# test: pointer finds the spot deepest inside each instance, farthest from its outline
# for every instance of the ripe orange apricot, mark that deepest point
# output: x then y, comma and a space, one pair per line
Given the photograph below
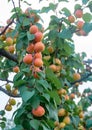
38, 36
33, 29
38, 55
38, 62
67, 120
56, 123
80, 24
61, 112
38, 112
9, 41
39, 47
62, 91
11, 48
53, 67
78, 13
72, 95
30, 48
81, 114
16, 69
76, 76
28, 59
71, 19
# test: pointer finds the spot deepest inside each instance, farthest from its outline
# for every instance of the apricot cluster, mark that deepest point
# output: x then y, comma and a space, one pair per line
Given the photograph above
34, 50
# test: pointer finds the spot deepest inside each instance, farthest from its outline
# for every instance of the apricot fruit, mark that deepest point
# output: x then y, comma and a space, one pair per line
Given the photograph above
78, 13
62, 125
67, 120
30, 48
80, 24
61, 112
28, 59
38, 55
76, 76
71, 19
33, 29
53, 67
12, 101
38, 36
9, 41
38, 112
8, 87
16, 69
39, 47
38, 62
11, 48
8, 107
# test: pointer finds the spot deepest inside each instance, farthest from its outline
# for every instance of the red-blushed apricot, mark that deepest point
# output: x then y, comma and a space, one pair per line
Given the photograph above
16, 69
11, 48
38, 62
38, 55
76, 76
71, 19
78, 13
9, 41
80, 24
39, 47
28, 59
72, 95
38, 112
30, 48
38, 36
33, 29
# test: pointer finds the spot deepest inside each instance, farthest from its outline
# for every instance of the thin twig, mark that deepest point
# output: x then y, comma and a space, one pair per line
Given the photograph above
4, 30
9, 93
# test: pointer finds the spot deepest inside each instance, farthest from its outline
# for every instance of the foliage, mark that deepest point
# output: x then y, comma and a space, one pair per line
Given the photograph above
47, 71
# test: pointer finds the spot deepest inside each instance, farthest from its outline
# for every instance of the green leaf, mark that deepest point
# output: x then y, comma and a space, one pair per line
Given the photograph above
68, 47
65, 34
66, 11
75, 120
30, 36
2, 112
89, 123
77, 6
90, 6
44, 83
87, 27
1, 44
87, 17
2, 125
27, 95
53, 94
52, 78
18, 76
35, 124
26, 22
84, 1
18, 127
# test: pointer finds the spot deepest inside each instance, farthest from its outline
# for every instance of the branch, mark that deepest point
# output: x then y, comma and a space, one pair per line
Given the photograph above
82, 79
8, 55
6, 27
6, 80
19, 4
8, 93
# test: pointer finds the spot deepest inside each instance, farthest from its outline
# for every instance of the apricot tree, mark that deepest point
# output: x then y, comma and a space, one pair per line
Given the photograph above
47, 71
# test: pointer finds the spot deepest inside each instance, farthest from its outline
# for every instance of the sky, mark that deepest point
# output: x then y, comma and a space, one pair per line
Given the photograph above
82, 44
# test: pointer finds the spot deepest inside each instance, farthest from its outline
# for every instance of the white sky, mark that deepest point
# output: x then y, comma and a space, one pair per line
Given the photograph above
82, 44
